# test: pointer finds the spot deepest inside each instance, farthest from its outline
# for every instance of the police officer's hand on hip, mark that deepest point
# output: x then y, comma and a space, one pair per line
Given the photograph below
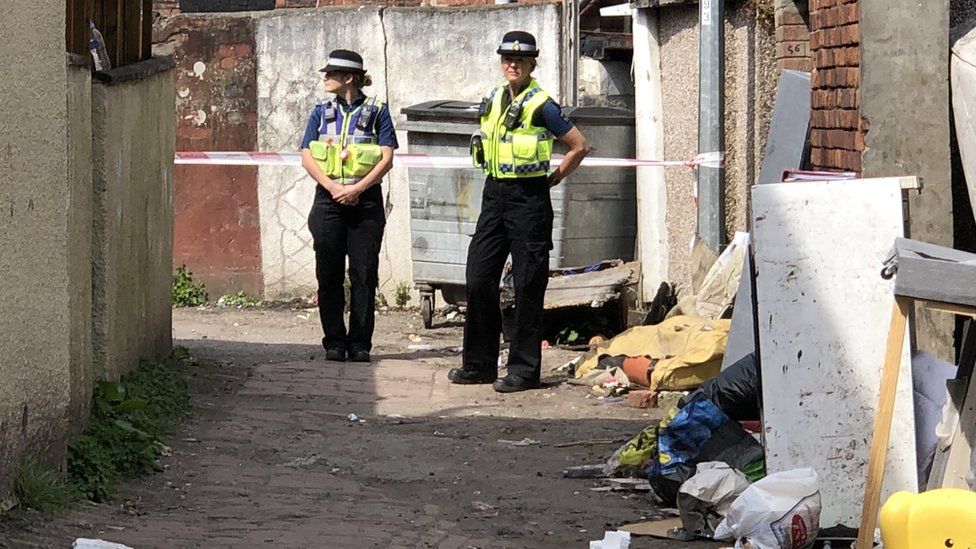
347, 149
519, 123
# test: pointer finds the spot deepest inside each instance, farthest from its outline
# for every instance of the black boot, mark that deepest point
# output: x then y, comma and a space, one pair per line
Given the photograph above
509, 384
461, 376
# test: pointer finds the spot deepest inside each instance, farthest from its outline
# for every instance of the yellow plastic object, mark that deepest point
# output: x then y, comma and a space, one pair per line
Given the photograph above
931, 520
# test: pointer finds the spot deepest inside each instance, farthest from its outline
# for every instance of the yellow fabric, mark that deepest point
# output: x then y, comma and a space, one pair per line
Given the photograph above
358, 161
522, 152
688, 350
929, 520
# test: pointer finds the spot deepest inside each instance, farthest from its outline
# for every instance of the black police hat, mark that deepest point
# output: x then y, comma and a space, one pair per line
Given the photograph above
344, 61
518, 44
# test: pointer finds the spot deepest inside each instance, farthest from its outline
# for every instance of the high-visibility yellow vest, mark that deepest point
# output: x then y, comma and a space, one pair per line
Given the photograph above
346, 151
516, 149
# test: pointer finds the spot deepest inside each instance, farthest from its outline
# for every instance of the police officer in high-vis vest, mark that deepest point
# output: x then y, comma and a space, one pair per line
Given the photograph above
347, 149
519, 122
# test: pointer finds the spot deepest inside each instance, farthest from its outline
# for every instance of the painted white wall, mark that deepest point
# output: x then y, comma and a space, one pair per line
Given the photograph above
414, 55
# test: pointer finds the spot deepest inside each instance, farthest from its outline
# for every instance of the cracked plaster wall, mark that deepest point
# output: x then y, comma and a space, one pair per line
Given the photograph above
394, 42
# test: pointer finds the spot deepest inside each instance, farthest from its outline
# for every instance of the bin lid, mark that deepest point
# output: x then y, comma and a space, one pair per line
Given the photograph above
466, 111
443, 111
599, 116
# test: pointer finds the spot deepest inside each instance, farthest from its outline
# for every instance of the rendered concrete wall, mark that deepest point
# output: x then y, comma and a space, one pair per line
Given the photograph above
905, 109
133, 136
79, 180
35, 348
394, 43
749, 89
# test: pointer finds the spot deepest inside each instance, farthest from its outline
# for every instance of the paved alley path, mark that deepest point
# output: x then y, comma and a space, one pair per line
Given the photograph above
269, 458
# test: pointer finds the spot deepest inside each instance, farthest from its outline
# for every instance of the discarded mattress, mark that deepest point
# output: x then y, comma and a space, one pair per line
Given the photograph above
684, 351
963, 81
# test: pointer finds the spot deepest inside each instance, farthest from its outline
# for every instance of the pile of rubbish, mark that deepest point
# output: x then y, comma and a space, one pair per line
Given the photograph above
704, 458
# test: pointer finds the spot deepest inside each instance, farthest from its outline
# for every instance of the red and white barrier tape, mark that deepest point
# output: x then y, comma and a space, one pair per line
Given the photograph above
407, 160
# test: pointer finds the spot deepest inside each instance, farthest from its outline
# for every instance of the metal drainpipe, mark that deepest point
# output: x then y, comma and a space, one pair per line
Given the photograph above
711, 122
571, 39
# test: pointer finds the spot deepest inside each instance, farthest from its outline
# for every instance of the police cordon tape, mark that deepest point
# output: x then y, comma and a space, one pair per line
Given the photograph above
413, 160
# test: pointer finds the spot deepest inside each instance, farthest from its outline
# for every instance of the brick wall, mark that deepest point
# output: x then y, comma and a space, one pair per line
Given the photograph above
167, 8
216, 219
837, 132
322, 3
792, 35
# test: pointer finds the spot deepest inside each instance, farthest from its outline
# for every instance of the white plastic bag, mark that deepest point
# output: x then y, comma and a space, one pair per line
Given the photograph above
704, 499
781, 511
612, 540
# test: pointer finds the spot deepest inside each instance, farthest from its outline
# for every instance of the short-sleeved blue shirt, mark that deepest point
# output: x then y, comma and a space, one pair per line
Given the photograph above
385, 133
552, 119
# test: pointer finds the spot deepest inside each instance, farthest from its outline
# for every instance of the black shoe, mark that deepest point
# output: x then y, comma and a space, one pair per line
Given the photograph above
509, 384
359, 356
461, 376
335, 355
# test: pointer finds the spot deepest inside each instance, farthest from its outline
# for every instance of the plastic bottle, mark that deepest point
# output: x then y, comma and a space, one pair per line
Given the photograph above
97, 47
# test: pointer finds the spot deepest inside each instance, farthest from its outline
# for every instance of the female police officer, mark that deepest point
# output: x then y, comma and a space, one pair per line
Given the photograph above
347, 149
518, 125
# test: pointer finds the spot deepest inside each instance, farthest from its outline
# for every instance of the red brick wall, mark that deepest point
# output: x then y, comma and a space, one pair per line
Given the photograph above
321, 3
167, 8
836, 135
792, 37
216, 222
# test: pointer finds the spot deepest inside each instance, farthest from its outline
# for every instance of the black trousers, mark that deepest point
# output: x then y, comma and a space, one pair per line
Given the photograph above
516, 217
337, 232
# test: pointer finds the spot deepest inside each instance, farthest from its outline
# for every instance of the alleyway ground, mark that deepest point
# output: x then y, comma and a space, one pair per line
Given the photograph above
268, 457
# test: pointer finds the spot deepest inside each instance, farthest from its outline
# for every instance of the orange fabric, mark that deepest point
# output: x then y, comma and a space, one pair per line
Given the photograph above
638, 369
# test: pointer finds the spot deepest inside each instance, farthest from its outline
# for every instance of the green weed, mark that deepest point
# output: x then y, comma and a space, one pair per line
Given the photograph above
401, 294
240, 300
186, 292
42, 489
124, 434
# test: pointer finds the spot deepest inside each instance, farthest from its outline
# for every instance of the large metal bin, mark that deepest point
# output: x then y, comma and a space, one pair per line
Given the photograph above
595, 209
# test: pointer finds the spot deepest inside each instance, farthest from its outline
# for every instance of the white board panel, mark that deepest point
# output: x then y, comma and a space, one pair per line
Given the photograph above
823, 312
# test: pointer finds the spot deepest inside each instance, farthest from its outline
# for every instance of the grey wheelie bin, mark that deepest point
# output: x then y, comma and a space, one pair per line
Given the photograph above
595, 209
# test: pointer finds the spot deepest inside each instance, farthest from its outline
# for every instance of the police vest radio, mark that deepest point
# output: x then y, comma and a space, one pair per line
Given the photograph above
484, 107
329, 112
478, 150
512, 116
366, 116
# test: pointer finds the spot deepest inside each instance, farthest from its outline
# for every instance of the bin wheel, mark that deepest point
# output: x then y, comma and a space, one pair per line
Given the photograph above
427, 310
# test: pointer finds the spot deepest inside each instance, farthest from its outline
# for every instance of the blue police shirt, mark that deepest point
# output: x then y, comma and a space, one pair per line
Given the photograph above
385, 133
552, 119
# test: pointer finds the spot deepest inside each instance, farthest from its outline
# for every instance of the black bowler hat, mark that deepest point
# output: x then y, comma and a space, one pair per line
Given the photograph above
518, 44
344, 61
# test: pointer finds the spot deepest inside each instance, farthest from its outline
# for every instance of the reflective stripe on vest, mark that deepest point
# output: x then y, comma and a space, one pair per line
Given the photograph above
524, 151
343, 151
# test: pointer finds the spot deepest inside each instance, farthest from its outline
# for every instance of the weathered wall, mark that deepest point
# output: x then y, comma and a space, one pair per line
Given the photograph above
79, 179
605, 83
132, 156
292, 44
35, 349
749, 87
216, 230
904, 46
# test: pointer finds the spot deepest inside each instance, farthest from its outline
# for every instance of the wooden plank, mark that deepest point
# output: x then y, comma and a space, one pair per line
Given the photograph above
145, 49
131, 31
965, 310
882, 422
